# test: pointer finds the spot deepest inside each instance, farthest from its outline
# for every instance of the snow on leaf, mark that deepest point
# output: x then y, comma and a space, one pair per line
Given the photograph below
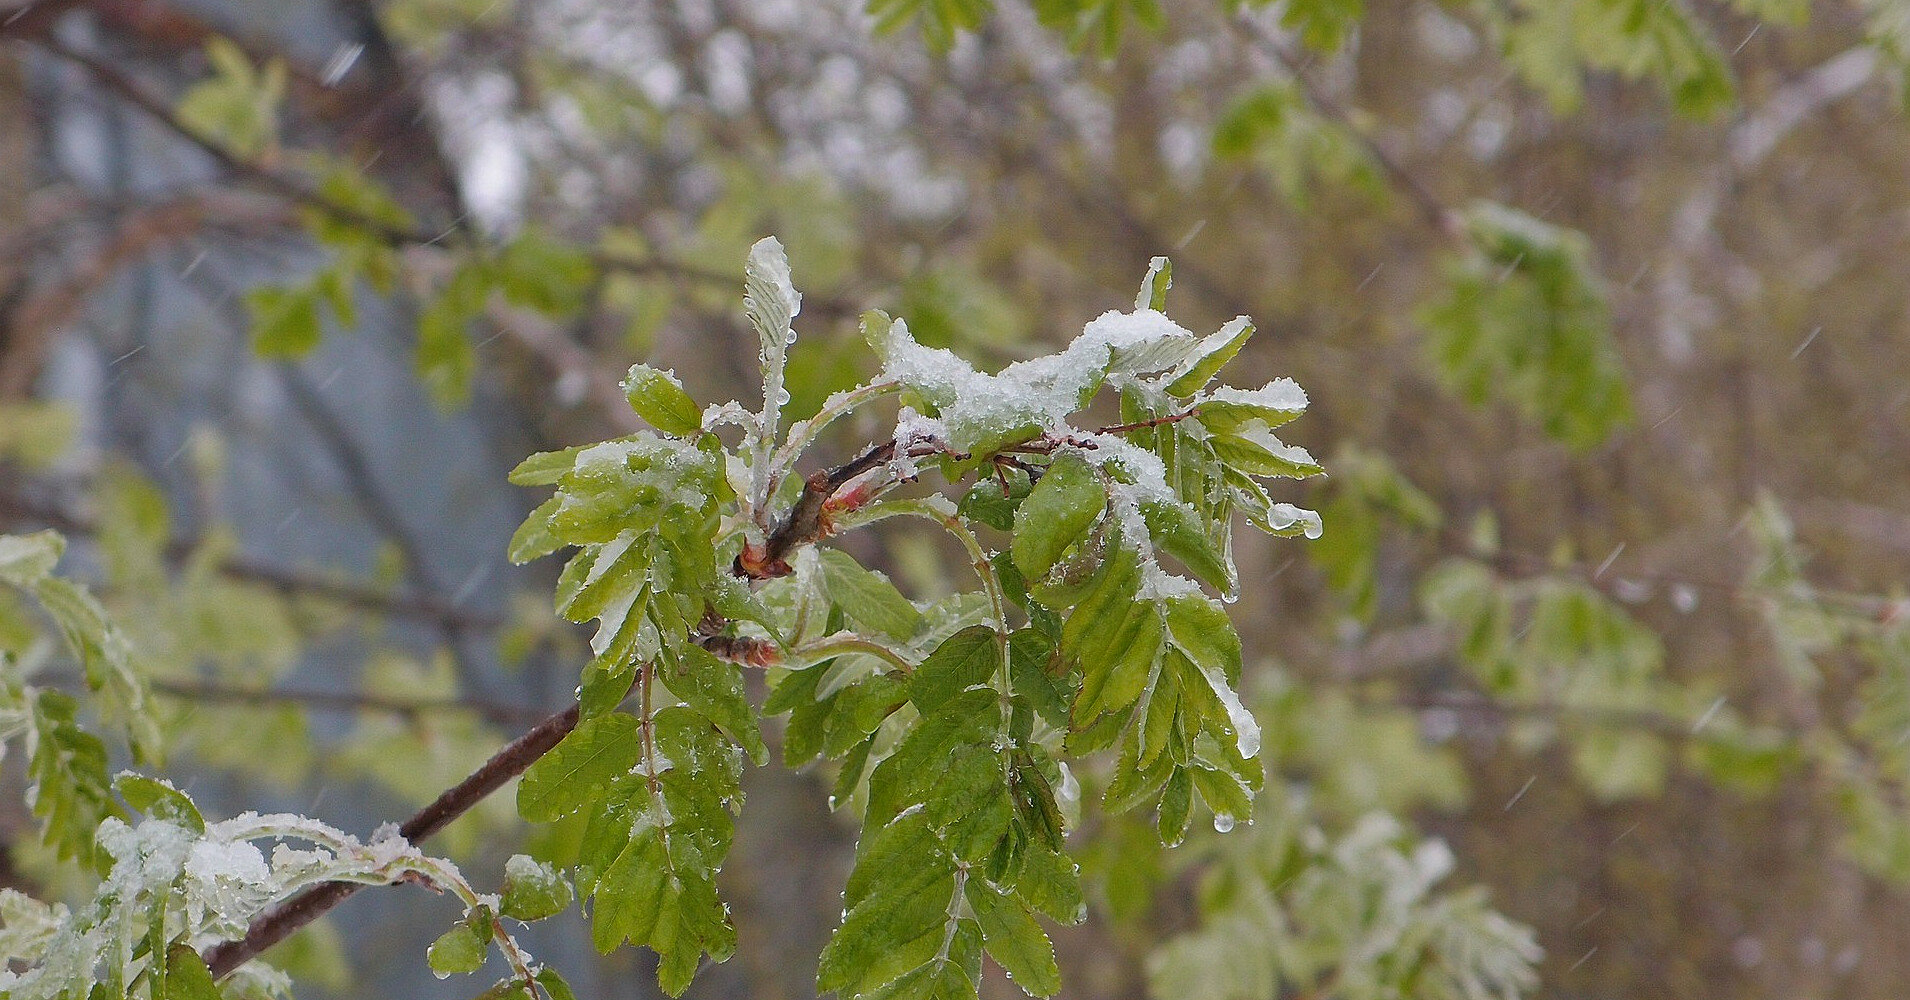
983, 411
771, 302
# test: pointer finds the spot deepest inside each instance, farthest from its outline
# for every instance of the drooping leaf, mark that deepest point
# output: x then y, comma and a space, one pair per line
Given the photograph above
463, 948
1014, 940
1059, 510
187, 977
898, 909
714, 688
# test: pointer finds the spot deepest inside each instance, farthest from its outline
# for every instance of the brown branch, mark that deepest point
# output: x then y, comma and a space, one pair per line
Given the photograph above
132, 92
1658, 723
1443, 219
138, 233
1142, 425
808, 520
343, 701
178, 551
274, 925
336, 701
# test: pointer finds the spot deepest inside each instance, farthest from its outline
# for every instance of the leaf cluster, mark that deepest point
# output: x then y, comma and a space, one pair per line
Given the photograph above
955, 721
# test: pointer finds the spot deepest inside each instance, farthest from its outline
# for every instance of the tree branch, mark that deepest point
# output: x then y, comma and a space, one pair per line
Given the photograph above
14, 508
343, 701
1443, 219
278, 923
132, 92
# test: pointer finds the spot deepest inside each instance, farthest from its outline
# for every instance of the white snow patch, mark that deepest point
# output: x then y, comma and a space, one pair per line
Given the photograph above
1039, 393
1283, 394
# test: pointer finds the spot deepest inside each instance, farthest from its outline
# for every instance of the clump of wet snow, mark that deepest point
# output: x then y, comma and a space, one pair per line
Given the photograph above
1038, 394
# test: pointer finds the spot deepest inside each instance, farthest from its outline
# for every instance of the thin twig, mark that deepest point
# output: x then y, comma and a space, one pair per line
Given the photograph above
274, 925
1664, 724
344, 701
807, 521
335, 701
381, 511
179, 551
132, 92
1443, 219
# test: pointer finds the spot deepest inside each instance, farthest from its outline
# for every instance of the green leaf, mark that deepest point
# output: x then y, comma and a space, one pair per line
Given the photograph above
606, 682
1117, 659
506, 989
1226, 410
1275, 127
963, 660
36, 433
1014, 940
867, 597
1182, 533
187, 977
27, 559
546, 468
463, 948
1159, 278
576, 771
1067, 500
940, 20
554, 984
446, 358
659, 399
971, 801
1201, 628
899, 900
1031, 661
537, 272
336, 286
534, 538
1051, 883
714, 688
659, 890
914, 772
940, 979
1323, 25
1212, 354
1752, 760
159, 800
237, 108
796, 694
1098, 24
987, 504
1230, 800
533, 890
1177, 807
284, 321
1253, 449
1034, 799
1524, 320
1619, 765
1135, 782
1550, 44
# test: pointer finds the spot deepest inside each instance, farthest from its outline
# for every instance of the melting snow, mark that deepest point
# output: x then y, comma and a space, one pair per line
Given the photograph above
1039, 393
